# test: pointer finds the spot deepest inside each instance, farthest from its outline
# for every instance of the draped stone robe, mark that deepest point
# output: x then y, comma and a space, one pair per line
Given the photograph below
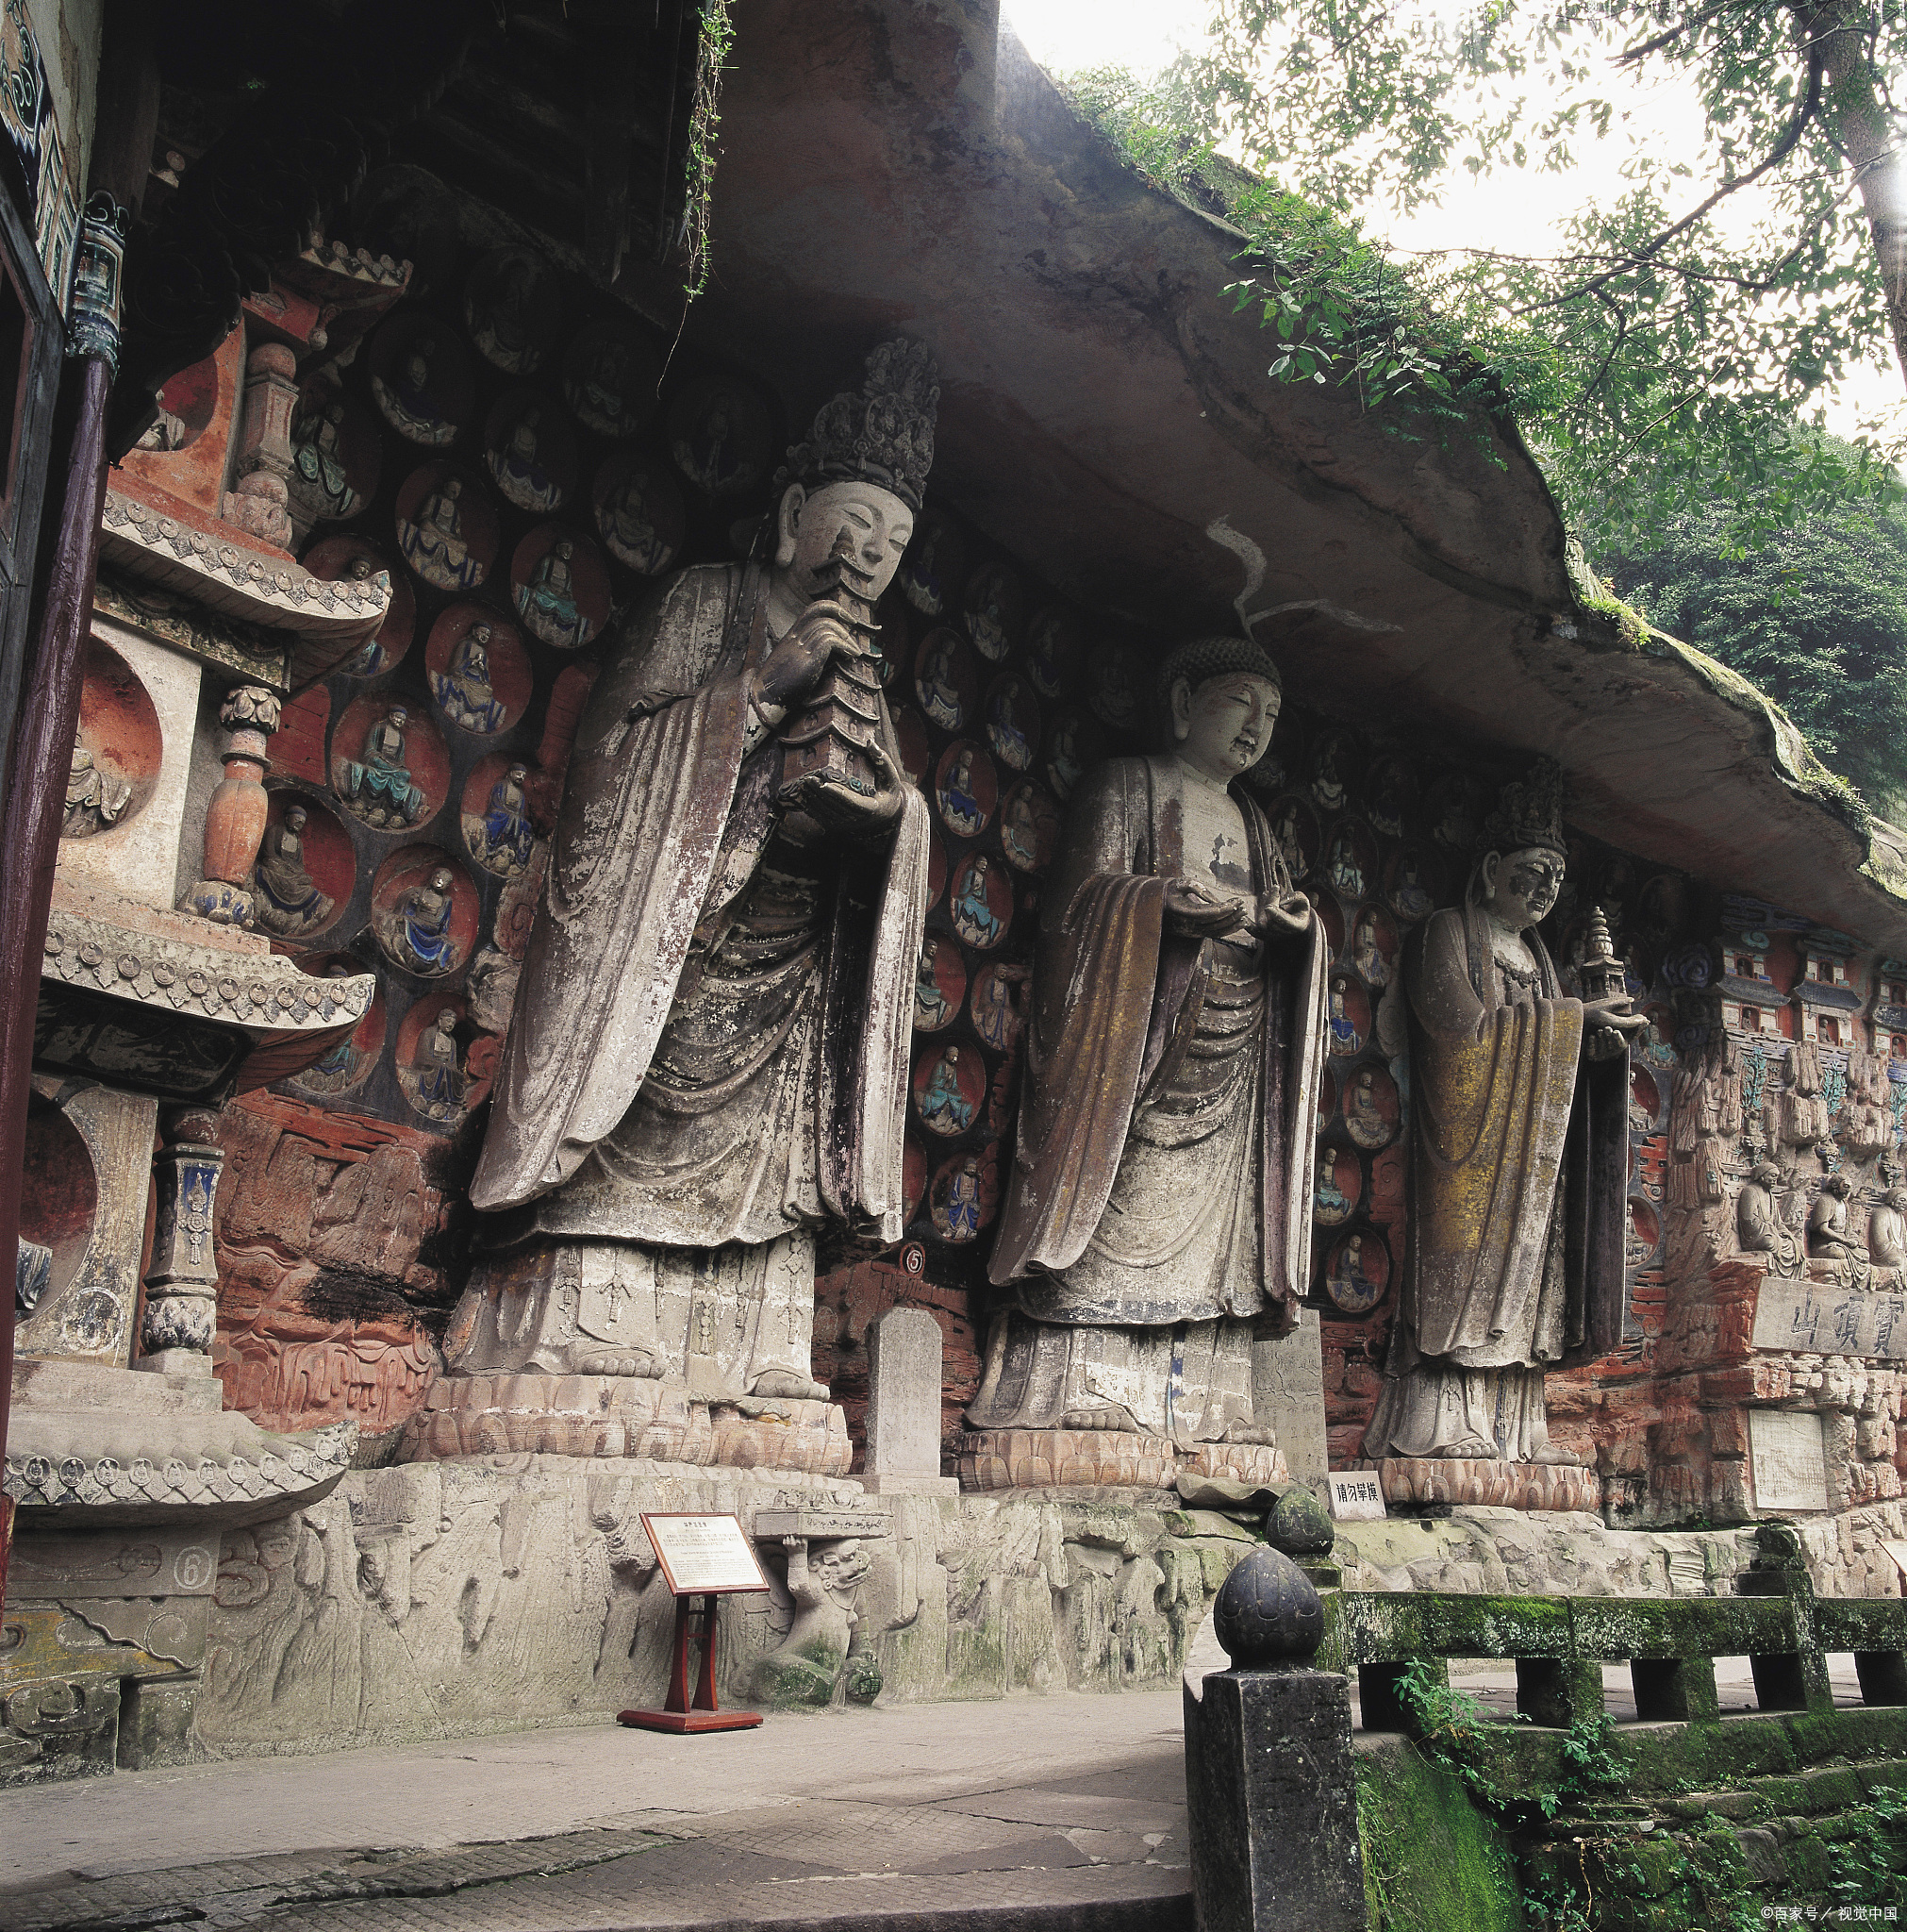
708, 1045
1518, 1187
1158, 1214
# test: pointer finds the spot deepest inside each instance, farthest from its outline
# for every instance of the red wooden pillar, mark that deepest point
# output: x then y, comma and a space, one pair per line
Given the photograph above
127, 113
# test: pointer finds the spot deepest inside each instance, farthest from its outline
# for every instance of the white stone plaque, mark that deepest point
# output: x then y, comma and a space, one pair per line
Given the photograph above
703, 1552
1817, 1318
1788, 1458
1357, 1496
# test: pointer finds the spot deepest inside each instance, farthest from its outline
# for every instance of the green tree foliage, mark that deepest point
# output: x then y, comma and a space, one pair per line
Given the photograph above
1664, 356
1815, 616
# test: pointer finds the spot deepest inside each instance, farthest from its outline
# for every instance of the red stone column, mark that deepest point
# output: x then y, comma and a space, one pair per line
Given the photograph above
234, 818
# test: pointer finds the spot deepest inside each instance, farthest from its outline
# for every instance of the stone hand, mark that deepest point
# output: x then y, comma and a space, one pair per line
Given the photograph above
796, 665
1614, 1011
833, 803
1282, 913
1196, 913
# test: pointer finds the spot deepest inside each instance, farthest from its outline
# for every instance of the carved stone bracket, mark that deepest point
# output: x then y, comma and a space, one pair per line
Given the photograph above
234, 818
182, 1283
258, 503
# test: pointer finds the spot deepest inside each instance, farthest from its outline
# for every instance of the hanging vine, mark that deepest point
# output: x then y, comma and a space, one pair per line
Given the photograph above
715, 42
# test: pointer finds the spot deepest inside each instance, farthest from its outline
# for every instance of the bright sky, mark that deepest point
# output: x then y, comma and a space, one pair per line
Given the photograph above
1512, 210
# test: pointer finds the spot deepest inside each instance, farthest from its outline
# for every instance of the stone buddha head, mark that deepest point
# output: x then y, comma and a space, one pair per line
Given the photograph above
855, 486
1522, 854
1221, 698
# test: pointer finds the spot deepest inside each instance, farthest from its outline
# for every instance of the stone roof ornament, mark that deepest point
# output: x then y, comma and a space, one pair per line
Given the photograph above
882, 435
1529, 814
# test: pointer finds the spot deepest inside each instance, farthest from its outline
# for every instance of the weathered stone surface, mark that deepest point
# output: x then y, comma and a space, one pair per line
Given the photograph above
621, 1416
1112, 1459
428, 1600
1271, 1800
903, 1401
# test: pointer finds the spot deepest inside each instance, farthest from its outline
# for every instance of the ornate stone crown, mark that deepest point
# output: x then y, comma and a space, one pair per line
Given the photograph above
882, 435
1203, 658
1529, 814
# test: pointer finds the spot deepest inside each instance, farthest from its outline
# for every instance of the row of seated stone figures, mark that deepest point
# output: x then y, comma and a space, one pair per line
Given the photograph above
707, 1057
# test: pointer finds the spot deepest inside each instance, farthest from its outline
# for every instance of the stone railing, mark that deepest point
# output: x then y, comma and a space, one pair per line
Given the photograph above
1560, 1643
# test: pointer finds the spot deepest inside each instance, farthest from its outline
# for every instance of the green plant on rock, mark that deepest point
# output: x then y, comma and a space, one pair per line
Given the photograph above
715, 41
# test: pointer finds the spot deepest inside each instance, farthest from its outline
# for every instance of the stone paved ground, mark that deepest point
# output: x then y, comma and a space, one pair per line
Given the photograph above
1066, 1813
1051, 1814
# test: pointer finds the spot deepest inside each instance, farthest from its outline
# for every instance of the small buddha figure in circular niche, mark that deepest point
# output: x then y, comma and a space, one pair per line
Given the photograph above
288, 903
416, 931
378, 785
95, 800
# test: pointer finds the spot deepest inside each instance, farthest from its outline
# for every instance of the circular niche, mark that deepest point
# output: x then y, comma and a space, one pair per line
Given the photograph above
945, 680
560, 585
980, 901
306, 873
1294, 825
965, 1194
58, 1192
506, 809
994, 1008
1373, 1109
345, 1067
966, 789
950, 1088
390, 766
424, 910
939, 983
719, 435
118, 751
1055, 642
513, 307
479, 673
1350, 861
995, 610
609, 379
1029, 827
1337, 1186
422, 379
1076, 746
1013, 723
934, 571
434, 1060
530, 450
1117, 687
335, 558
446, 526
1358, 1273
336, 455
638, 511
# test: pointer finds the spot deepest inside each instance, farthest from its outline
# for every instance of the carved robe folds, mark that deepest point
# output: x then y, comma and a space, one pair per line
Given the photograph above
1515, 1256
1158, 1217
708, 1053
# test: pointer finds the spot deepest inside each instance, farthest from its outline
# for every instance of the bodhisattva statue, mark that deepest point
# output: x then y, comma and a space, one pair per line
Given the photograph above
1158, 1216
1520, 1160
707, 1057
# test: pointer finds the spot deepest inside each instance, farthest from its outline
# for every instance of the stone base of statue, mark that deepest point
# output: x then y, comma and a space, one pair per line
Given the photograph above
624, 1416
1481, 1479
696, 1356
1105, 1459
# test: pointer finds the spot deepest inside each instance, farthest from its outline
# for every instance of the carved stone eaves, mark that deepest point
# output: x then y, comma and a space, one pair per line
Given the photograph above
188, 1023
266, 992
238, 582
137, 1463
